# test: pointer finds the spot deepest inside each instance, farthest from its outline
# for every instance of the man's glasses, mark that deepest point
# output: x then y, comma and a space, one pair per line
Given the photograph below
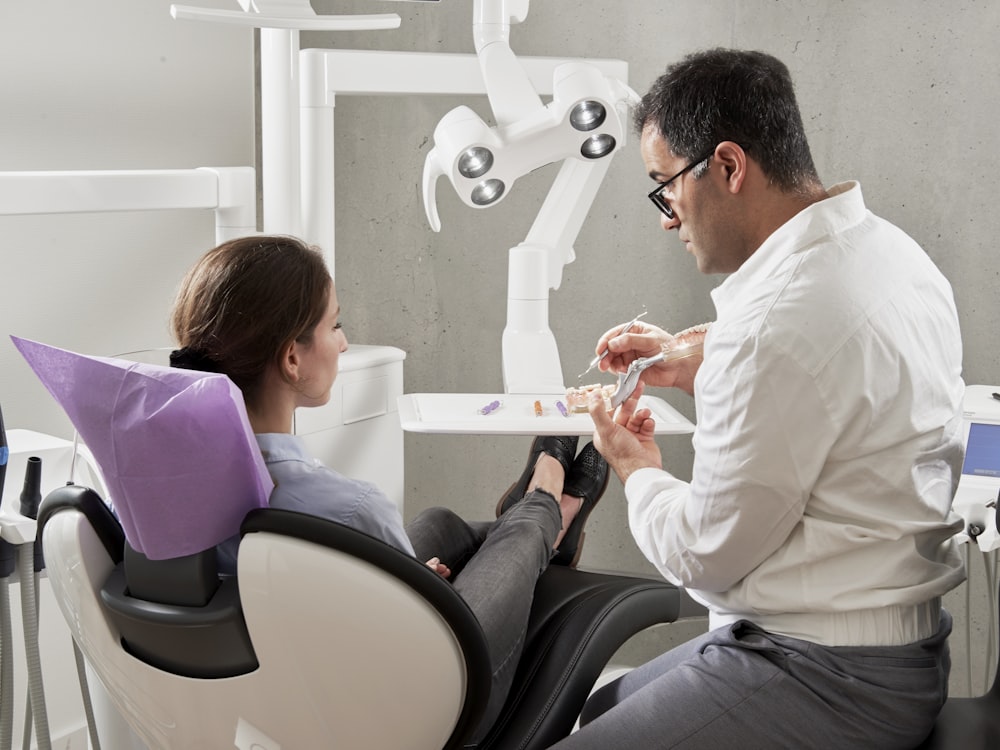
657, 194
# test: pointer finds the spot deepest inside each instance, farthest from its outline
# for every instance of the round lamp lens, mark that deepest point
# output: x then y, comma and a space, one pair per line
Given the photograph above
587, 115
597, 146
487, 192
475, 162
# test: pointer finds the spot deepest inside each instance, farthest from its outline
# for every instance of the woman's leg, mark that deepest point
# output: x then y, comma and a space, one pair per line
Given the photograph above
442, 533
498, 584
501, 569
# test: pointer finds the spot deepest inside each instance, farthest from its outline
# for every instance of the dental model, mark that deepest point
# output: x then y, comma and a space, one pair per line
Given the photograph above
578, 398
685, 343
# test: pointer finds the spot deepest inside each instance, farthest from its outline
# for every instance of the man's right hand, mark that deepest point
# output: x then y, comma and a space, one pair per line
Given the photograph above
647, 340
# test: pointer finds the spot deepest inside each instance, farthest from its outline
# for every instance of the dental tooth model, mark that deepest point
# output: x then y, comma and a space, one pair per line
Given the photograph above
578, 398
685, 343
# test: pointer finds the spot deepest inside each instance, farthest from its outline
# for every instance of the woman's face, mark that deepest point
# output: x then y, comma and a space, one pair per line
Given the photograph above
319, 358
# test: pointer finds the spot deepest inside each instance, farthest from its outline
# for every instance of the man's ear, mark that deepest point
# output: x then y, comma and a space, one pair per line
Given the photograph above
733, 159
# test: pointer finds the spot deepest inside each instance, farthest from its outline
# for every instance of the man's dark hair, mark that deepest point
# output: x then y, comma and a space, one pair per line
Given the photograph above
732, 95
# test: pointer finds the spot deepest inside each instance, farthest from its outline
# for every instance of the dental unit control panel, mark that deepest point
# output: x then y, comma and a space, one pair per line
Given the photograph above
979, 487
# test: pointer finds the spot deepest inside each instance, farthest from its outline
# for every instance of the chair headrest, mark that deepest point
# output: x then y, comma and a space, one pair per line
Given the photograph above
175, 447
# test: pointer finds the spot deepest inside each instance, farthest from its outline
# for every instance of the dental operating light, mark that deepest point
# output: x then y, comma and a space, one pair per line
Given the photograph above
582, 126
585, 120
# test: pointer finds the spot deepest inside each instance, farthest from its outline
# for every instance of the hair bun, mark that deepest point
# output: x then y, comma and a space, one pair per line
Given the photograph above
193, 359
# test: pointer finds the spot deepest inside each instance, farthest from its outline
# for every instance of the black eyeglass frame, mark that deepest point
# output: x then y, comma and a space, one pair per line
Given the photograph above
656, 194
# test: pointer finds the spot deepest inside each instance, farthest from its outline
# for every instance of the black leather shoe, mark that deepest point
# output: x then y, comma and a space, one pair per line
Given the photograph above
587, 479
560, 447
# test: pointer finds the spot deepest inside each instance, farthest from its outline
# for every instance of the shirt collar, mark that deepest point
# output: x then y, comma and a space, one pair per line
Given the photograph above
844, 208
281, 446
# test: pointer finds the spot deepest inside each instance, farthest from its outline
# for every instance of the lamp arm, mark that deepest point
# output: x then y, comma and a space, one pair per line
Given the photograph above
563, 212
530, 355
508, 87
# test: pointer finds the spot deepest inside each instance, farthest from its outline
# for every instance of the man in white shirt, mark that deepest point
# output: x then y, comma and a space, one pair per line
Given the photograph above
817, 525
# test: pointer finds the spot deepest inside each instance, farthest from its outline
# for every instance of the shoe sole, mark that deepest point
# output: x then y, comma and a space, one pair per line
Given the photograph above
522, 482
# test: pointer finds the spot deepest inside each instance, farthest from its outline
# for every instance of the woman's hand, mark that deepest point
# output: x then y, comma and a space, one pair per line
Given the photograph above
439, 567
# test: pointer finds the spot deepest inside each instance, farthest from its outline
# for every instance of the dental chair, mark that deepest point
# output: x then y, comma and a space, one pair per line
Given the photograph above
325, 638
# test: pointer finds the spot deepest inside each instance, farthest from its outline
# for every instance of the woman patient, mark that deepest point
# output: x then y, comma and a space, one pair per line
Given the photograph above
263, 310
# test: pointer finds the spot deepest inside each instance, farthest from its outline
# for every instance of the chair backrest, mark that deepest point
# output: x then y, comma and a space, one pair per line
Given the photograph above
354, 644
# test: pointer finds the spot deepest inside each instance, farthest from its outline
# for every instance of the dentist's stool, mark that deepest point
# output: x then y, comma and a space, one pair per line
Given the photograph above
968, 723
328, 638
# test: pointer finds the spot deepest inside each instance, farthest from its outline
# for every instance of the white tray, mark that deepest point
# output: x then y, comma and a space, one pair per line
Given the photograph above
458, 413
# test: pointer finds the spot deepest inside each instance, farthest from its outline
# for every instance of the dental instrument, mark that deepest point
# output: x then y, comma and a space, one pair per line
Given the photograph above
627, 327
687, 343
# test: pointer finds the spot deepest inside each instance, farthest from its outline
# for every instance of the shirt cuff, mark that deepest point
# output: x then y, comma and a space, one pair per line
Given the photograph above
641, 481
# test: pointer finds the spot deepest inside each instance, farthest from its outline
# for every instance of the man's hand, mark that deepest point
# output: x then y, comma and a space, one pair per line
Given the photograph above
646, 340
641, 340
626, 439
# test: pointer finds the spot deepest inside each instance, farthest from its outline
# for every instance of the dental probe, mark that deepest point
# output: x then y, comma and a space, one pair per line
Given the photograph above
602, 355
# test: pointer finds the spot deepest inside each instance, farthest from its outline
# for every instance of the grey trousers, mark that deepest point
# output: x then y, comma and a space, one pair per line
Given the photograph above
495, 566
741, 687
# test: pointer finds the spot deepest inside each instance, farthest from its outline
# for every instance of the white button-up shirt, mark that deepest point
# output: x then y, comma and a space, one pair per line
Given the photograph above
828, 442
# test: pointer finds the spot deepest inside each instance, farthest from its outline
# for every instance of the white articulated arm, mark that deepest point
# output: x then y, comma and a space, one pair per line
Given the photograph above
583, 125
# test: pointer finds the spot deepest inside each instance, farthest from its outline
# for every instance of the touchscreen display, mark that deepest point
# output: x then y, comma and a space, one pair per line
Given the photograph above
982, 451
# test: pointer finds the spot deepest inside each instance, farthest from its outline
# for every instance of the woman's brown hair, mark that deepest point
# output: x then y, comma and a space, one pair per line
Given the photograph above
244, 302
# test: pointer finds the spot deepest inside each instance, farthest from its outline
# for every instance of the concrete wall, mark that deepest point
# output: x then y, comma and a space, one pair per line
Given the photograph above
900, 95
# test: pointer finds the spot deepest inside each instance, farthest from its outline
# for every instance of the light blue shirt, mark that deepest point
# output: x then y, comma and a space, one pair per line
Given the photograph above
303, 484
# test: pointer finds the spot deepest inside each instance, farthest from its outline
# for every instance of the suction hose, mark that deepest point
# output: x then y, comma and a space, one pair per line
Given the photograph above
6, 647
28, 565
6, 634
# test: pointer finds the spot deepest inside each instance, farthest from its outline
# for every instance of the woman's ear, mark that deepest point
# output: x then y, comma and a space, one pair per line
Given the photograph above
290, 363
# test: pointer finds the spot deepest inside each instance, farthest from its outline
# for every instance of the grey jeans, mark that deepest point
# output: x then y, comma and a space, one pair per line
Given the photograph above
495, 566
741, 687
